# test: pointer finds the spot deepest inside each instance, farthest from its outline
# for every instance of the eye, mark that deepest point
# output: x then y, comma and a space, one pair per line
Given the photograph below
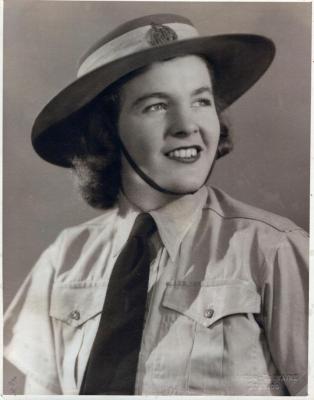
155, 107
203, 102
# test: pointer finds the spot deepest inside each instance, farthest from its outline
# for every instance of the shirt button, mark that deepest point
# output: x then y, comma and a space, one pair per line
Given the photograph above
209, 313
75, 315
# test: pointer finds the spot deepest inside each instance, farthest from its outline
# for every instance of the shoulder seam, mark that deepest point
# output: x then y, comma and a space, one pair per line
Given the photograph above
253, 219
94, 222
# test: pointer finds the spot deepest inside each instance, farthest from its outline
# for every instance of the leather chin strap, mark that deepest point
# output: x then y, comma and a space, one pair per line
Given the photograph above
152, 183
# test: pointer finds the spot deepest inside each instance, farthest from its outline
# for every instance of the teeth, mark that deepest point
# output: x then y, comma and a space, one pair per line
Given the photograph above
183, 153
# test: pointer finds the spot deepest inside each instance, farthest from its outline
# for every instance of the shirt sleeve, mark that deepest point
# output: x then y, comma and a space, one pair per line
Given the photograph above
285, 301
28, 336
34, 388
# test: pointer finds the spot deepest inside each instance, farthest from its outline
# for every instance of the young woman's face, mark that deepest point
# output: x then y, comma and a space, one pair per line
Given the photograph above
169, 124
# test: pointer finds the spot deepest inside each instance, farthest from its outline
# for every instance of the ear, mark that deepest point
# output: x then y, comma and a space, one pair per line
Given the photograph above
225, 144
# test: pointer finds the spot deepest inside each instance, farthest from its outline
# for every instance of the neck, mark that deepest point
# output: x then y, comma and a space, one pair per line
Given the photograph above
139, 193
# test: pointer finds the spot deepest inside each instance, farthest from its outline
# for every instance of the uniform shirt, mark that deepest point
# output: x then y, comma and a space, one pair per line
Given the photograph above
227, 304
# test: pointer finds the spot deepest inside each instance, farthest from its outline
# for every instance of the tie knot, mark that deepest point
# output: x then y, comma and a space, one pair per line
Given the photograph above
144, 225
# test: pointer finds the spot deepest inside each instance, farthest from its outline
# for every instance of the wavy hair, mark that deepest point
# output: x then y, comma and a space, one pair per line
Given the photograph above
96, 160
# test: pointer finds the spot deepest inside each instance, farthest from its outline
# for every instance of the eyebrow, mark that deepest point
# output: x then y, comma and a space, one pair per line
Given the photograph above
202, 89
162, 95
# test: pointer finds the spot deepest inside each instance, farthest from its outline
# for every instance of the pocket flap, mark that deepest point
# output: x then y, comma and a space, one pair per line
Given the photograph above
207, 302
74, 304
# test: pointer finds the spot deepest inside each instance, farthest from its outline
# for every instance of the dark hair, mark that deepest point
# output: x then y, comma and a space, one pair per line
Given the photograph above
97, 158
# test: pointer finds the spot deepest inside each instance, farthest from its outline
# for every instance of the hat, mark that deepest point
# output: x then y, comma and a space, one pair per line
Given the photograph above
238, 61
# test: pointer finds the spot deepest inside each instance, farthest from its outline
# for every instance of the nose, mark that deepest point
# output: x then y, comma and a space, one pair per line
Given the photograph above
182, 123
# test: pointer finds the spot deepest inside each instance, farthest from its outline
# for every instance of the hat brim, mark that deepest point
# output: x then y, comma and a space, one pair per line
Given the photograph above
238, 61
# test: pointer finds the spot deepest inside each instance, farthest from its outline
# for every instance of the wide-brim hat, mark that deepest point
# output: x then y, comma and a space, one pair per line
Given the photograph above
238, 61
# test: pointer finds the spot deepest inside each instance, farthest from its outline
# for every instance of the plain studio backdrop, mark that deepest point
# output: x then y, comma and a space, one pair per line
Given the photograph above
43, 41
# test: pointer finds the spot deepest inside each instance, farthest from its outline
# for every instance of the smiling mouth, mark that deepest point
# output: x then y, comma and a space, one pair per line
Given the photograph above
185, 154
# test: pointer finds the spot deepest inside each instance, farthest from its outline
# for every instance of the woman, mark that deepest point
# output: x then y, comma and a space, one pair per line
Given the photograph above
141, 128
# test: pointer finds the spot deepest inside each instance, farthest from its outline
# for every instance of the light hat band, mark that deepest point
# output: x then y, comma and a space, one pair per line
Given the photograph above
134, 41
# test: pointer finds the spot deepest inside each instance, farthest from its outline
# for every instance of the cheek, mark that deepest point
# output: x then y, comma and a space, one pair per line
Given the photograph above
211, 131
138, 139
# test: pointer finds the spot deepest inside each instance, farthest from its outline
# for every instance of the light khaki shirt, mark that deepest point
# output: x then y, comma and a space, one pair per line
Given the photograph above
227, 310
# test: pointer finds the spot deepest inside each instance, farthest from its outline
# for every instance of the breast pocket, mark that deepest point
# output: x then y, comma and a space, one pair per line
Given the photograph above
216, 307
75, 312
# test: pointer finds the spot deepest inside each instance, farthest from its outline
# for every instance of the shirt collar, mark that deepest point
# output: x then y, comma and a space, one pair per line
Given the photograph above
173, 220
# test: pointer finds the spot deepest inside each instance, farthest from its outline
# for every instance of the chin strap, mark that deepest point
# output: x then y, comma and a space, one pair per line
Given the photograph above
149, 181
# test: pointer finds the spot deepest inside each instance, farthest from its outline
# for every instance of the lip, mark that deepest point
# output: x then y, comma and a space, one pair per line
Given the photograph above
185, 160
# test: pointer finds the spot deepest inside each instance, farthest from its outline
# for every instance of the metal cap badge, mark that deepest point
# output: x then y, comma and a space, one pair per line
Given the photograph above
159, 35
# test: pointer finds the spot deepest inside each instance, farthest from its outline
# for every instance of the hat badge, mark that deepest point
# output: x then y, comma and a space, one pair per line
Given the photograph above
159, 35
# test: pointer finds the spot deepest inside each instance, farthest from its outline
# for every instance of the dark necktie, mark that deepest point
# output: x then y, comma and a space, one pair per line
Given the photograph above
112, 364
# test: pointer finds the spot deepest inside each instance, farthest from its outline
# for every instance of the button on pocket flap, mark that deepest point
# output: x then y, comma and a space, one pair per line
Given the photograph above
74, 305
207, 302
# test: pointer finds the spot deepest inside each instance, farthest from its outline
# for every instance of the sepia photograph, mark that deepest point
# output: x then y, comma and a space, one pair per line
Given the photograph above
156, 186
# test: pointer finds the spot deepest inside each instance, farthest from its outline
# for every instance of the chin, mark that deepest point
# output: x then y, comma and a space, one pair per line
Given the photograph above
184, 187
